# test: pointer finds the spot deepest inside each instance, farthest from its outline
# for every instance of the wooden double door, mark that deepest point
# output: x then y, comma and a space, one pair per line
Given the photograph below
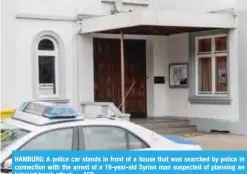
107, 74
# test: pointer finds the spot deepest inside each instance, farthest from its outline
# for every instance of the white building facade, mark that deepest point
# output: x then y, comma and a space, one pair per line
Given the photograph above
52, 50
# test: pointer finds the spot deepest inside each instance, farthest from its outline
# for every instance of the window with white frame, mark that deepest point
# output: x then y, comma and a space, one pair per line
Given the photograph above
47, 55
211, 65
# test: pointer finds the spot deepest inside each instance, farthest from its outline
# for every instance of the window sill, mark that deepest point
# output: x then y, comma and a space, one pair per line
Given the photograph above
55, 100
130, 2
218, 100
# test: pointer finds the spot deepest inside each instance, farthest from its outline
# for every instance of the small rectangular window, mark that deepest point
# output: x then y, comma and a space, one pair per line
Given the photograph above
204, 45
220, 43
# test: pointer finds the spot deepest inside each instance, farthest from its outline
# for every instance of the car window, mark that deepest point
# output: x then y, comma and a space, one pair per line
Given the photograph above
61, 139
104, 138
135, 143
10, 134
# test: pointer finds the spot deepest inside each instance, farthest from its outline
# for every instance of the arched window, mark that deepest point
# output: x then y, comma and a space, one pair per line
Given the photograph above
47, 55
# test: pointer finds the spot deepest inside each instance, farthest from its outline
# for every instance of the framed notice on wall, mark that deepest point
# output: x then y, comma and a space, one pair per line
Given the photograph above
178, 75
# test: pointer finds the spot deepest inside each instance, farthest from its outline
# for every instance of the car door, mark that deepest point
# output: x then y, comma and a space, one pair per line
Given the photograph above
56, 139
108, 138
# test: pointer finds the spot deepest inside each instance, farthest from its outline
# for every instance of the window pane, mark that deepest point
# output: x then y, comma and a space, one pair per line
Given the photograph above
204, 45
135, 143
104, 138
55, 140
221, 76
204, 74
47, 75
46, 44
220, 44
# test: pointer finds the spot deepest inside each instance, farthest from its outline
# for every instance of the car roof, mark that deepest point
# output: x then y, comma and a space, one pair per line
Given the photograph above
37, 114
65, 122
39, 122
44, 113
88, 121
32, 121
38, 119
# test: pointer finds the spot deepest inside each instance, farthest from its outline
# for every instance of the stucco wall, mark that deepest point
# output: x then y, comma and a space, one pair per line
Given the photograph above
241, 5
242, 57
65, 7
174, 102
178, 52
163, 101
72, 7
19, 33
194, 5
160, 62
8, 74
238, 127
85, 68
21, 57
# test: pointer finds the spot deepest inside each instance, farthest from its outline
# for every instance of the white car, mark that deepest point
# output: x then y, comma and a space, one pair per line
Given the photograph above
47, 126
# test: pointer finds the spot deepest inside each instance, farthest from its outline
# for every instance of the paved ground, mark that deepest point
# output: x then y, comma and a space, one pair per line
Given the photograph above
215, 141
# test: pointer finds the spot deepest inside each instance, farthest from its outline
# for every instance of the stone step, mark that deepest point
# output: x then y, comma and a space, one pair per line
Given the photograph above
157, 120
177, 123
176, 130
166, 125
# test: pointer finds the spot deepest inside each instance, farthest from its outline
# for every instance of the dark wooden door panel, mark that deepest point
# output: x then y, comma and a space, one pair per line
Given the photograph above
107, 73
135, 64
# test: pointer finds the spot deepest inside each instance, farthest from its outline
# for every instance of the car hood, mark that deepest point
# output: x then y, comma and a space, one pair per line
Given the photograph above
173, 143
182, 143
180, 140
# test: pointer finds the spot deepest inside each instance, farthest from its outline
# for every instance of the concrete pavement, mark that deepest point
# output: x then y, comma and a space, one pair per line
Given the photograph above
215, 141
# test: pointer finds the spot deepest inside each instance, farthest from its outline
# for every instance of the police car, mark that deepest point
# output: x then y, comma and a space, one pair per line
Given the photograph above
47, 126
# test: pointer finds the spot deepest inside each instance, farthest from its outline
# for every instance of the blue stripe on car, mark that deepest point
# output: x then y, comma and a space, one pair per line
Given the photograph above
180, 140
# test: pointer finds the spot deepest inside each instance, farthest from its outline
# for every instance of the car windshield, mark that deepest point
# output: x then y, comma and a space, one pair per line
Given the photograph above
10, 134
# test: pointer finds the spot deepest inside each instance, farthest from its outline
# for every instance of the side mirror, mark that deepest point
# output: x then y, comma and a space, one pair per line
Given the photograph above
7, 166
